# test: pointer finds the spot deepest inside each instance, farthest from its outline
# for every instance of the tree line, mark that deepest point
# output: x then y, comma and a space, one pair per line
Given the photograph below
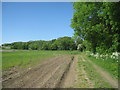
97, 24
62, 43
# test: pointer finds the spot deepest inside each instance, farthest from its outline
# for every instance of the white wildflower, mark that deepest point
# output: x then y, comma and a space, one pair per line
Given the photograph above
96, 55
115, 54
101, 56
92, 54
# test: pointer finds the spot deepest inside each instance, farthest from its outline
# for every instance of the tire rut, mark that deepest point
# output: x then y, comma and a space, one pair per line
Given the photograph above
70, 75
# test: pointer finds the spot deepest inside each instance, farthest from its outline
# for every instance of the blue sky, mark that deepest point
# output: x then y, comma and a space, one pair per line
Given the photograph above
36, 21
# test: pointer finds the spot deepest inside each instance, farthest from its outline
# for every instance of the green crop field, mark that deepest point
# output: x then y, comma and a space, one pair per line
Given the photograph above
24, 58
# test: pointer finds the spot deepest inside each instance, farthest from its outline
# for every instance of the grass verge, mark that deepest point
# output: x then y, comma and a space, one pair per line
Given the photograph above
95, 79
109, 65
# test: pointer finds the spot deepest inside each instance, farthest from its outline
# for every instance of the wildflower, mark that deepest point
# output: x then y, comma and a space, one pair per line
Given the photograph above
96, 55
101, 56
115, 54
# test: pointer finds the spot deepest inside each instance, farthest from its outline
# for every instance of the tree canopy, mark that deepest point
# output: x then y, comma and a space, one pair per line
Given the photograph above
98, 23
62, 43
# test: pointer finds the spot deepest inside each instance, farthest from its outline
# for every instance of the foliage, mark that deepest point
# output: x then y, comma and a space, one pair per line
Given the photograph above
98, 24
65, 43
62, 43
80, 47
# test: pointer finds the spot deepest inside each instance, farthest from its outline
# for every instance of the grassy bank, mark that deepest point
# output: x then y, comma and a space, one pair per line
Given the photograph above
108, 64
24, 58
95, 79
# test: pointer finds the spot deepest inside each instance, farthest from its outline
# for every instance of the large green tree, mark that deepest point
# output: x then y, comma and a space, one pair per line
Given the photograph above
98, 23
65, 43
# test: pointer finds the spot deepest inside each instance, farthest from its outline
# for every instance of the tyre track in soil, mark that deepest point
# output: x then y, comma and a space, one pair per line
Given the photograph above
45, 75
69, 78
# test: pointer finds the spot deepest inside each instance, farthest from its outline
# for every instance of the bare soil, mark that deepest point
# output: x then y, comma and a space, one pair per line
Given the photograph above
45, 75
70, 79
